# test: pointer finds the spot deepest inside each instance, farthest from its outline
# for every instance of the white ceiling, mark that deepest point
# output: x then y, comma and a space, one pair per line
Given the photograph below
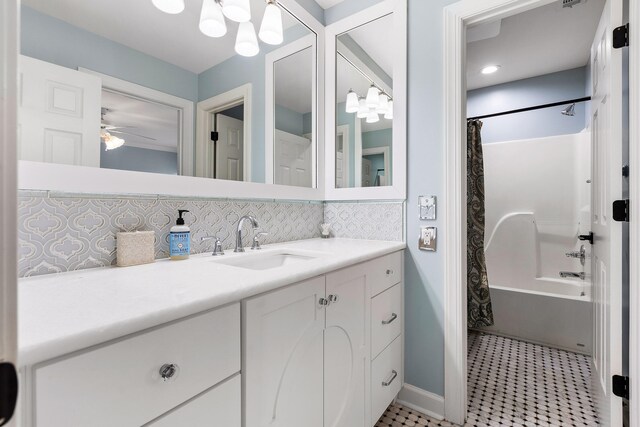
141, 26
538, 42
147, 124
374, 38
326, 4
294, 80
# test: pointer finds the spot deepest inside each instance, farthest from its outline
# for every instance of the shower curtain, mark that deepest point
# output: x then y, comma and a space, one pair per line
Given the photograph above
479, 312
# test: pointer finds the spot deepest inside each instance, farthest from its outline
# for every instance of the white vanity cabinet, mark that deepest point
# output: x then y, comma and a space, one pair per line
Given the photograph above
308, 357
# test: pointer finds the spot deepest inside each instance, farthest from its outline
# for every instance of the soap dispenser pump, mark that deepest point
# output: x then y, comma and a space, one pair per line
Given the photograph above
180, 239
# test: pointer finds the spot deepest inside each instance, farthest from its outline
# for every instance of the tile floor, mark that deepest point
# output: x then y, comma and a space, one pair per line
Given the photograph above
515, 383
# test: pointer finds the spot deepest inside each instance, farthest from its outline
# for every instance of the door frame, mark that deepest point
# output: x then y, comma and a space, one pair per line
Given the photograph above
9, 50
386, 154
456, 18
346, 151
204, 122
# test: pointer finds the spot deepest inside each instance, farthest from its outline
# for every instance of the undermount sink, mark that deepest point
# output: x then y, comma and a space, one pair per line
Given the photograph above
267, 260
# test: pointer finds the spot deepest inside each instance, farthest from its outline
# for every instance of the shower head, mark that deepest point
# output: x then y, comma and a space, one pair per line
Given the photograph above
570, 110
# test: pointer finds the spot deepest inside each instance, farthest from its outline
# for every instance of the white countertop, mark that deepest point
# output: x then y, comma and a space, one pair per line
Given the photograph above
62, 313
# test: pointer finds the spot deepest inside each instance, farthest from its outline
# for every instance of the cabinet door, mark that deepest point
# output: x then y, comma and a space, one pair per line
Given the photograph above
283, 368
346, 352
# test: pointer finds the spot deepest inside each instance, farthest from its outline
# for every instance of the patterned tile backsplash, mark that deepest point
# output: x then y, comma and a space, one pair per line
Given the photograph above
60, 232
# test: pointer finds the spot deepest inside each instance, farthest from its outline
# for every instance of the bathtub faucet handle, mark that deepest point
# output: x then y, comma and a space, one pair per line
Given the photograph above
580, 254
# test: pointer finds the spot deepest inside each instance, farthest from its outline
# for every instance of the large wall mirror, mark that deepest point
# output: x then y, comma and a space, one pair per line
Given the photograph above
172, 88
367, 113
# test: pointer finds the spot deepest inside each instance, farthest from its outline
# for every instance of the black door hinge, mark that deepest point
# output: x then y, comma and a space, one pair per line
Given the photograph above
620, 386
214, 136
8, 391
587, 237
621, 210
625, 171
621, 36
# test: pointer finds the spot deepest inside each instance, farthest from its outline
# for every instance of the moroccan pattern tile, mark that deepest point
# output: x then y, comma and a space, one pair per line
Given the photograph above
58, 234
515, 383
374, 221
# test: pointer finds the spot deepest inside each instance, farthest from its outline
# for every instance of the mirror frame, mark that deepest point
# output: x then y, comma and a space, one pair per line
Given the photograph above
398, 189
96, 181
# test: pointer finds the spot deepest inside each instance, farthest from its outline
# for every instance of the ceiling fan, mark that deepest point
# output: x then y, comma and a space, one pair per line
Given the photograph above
107, 130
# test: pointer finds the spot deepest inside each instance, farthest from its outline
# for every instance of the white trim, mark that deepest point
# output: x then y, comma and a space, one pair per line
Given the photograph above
456, 18
398, 190
422, 401
386, 153
185, 106
346, 151
204, 123
269, 109
9, 48
357, 152
634, 224
342, 48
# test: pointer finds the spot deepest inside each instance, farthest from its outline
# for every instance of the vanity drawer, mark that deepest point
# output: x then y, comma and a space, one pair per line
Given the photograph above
120, 384
220, 406
385, 272
386, 378
386, 318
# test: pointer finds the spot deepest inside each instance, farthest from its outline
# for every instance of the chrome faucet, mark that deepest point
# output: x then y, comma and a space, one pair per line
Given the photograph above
572, 274
254, 224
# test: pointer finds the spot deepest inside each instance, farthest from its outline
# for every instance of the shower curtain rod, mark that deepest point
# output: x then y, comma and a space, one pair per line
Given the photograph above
536, 107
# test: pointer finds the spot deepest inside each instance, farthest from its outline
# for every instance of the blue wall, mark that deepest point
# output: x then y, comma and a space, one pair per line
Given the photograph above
49, 39
139, 159
554, 87
380, 138
288, 120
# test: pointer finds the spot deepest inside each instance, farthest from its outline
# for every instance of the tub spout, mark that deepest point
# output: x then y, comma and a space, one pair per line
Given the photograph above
572, 274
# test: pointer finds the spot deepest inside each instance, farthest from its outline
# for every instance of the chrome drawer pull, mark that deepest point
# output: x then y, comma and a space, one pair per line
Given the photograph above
394, 374
391, 319
168, 370
389, 272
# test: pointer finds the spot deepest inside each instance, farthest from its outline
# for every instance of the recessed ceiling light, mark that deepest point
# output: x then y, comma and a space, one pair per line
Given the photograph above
490, 69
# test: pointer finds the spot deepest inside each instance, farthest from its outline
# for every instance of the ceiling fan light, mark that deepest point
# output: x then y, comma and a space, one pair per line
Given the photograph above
373, 117
237, 10
383, 104
169, 6
389, 113
271, 28
363, 110
373, 97
111, 142
246, 40
212, 22
353, 104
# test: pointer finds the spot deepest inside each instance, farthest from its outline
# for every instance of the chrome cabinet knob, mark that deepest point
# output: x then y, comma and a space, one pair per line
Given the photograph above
389, 272
168, 371
333, 298
323, 302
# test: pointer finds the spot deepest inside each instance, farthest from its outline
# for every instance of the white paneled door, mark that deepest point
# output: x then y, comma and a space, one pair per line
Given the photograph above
606, 266
59, 114
230, 148
292, 160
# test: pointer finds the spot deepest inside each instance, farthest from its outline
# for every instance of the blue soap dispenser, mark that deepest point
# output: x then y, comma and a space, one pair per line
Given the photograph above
180, 239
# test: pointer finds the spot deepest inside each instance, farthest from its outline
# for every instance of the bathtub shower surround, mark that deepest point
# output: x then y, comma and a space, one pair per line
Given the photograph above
379, 220
66, 232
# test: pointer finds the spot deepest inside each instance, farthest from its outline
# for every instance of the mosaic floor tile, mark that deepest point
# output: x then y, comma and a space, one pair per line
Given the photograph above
515, 383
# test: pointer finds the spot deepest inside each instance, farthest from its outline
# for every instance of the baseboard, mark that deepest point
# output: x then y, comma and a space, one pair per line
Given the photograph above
421, 400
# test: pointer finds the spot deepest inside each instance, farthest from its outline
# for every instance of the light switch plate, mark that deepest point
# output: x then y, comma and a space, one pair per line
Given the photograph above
427, 207
427, 239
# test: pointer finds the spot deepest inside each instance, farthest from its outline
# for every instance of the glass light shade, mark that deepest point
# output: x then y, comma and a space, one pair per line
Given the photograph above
111, 142
389, 113
363, 110
169, 6
271, 27
212, 22
353, 104
246, 40
373, 97
372, 117
383, 104
237, 10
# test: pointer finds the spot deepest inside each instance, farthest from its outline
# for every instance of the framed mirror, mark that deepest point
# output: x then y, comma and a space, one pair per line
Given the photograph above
177, 97
366, 104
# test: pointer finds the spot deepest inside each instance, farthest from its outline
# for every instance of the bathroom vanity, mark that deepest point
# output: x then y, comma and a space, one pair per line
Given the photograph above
308, 330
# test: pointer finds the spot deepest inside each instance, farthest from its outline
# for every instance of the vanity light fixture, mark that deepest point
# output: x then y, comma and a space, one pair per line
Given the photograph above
237, 10
373, 97
212, 21
271, 29
363, 110
383, 103
353, 103
373, 117
389, 113
246, 40
172, 7
490, 69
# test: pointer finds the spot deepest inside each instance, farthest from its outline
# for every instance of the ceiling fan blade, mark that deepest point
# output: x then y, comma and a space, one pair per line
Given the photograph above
133, 134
